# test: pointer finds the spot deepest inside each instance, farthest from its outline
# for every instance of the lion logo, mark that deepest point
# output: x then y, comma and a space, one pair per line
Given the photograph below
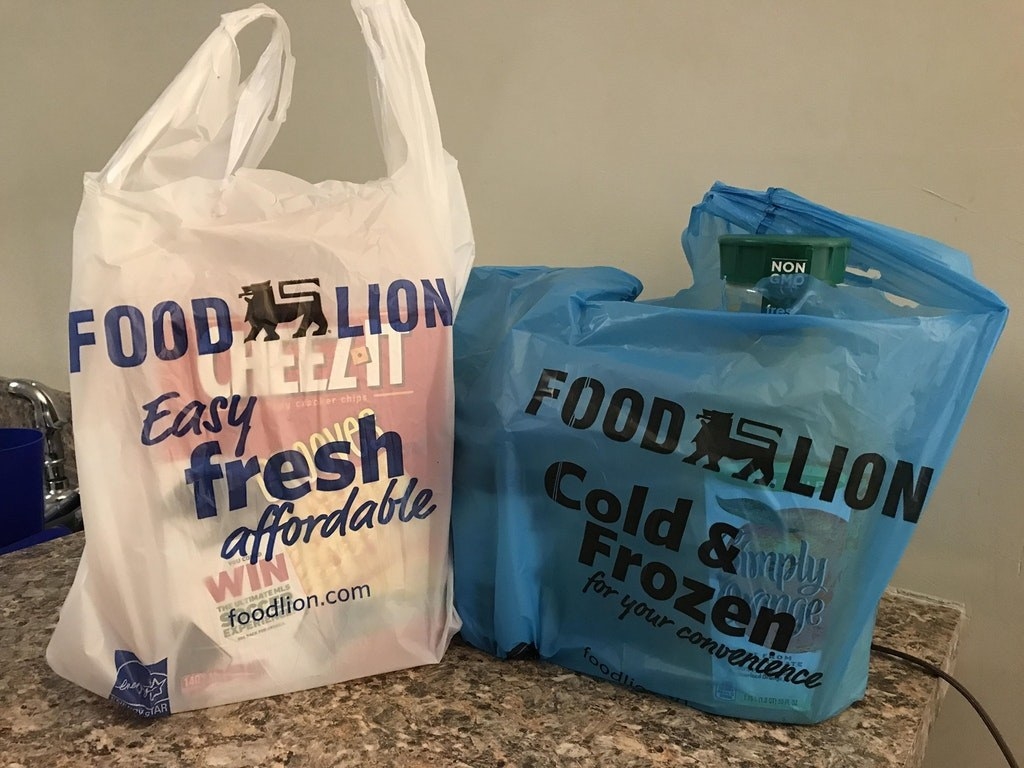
714, 441
265, 313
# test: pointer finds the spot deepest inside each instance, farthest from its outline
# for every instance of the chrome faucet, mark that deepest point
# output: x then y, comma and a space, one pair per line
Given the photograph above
60, 499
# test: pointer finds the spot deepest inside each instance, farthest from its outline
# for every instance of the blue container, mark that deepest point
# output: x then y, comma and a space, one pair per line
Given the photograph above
21, 484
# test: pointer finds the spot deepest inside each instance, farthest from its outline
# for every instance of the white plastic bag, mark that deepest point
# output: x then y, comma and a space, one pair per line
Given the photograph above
261, 378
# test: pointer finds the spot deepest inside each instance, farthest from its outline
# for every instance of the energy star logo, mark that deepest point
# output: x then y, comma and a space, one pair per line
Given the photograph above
142, 688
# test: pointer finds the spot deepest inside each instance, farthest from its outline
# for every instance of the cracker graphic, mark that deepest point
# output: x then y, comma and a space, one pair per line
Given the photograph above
319, 563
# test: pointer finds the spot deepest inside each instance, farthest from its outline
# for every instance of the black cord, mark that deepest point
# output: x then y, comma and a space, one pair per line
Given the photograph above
935, 671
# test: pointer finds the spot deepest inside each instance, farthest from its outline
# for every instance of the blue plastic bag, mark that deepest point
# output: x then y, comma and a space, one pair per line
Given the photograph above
704, 504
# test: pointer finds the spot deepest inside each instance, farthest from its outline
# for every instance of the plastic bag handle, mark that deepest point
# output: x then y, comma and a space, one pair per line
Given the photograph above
267, 89
407, 123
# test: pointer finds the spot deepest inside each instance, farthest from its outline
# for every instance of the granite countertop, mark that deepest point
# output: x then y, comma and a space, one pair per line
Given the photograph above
470, 710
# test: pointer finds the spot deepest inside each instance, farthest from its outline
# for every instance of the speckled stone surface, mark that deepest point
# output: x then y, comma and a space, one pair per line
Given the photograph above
470, 710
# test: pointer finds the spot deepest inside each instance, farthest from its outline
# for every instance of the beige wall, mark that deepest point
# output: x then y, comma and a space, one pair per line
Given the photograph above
585, 131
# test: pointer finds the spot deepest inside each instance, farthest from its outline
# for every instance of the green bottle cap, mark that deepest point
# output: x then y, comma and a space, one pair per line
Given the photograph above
746, 259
